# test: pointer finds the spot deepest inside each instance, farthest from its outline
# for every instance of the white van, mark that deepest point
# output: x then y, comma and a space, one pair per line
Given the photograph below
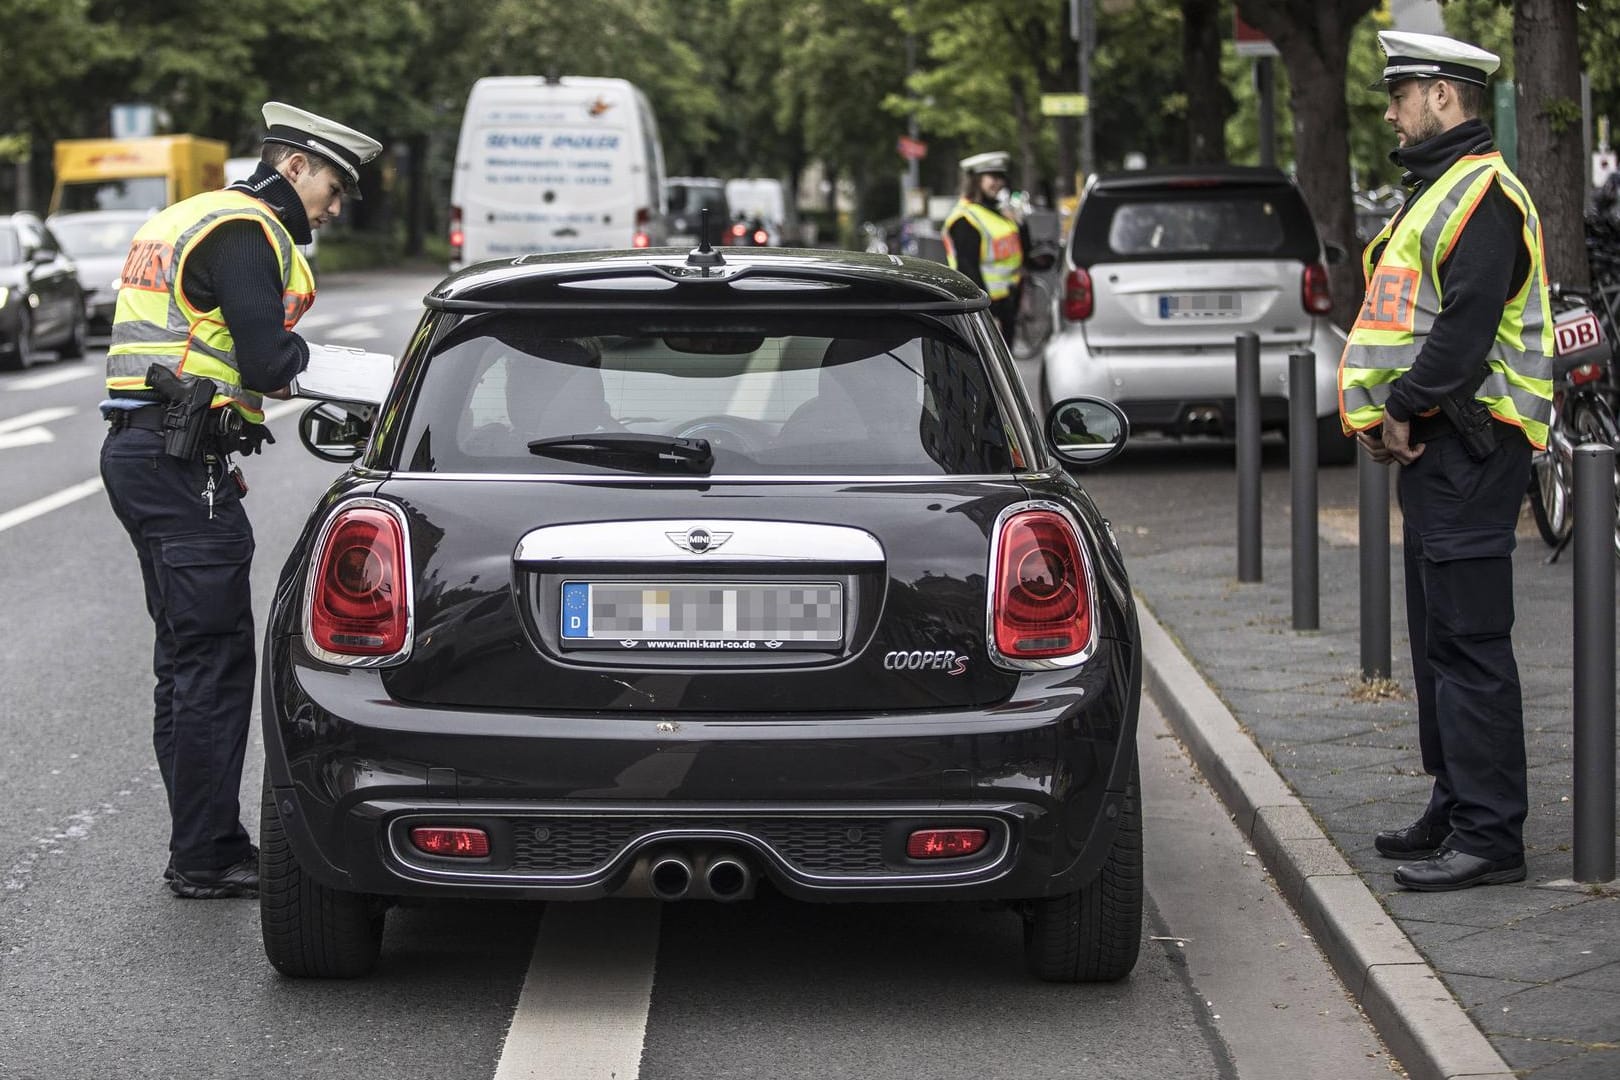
240, 168
560, 164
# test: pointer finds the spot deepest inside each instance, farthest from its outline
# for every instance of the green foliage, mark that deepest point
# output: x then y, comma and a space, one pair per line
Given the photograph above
1562, 114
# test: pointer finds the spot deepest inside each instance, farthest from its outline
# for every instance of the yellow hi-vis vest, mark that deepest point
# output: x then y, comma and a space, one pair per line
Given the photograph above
155, 323
1001, 255
1403, 298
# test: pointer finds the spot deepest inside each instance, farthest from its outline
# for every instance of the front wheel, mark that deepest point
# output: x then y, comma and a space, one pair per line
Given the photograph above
24, 354
1034, 323
1095, 934
309, 930
1591, 419
1550, 496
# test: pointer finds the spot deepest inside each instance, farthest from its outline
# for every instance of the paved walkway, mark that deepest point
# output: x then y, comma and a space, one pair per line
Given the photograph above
1535, 965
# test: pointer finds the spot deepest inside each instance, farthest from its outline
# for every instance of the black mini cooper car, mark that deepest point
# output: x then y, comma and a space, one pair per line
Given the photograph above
683, 575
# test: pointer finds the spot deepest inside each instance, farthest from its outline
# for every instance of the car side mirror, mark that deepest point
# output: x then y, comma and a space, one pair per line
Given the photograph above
1086, 430
1336, 253
335, 431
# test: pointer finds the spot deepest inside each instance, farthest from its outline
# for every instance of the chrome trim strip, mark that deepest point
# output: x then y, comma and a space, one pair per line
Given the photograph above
318, 549
991, 586
999, 819
650, 542
643, 479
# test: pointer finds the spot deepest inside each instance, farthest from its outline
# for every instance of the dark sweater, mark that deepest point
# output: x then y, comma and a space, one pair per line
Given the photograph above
1486, 266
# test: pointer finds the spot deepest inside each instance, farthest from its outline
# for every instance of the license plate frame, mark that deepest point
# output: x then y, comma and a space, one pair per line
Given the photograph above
683, 616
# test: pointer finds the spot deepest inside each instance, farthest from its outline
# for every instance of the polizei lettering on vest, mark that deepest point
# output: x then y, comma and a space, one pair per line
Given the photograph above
946, 660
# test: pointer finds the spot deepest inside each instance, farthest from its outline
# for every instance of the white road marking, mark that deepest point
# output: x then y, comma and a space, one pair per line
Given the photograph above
315, 322
26, 437
354, 330
50, 378
55, 501
371, 311
37, 417
583, 1011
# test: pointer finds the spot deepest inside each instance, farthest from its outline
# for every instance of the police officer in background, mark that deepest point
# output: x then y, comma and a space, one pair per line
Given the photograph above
210, 292
984, 244
1448, 372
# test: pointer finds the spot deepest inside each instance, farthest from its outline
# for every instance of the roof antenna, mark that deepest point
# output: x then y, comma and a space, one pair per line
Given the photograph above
703, 255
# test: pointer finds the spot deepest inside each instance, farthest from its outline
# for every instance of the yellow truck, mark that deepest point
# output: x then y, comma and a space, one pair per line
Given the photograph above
135, 174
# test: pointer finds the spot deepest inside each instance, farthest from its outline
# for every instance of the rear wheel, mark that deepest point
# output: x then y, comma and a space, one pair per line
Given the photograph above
1095, 934
1550, 496
311, 931
73, 347
1591, 419
1034, 322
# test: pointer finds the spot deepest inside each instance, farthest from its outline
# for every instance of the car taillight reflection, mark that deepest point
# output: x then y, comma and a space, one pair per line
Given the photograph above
1314, 292
1077, 296
457, 236
1042, 601
358, 606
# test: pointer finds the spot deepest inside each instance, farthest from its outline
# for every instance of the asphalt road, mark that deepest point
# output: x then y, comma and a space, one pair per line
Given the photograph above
104, 974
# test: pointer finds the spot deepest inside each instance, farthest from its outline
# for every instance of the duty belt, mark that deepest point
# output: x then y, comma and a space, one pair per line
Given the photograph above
149, 417
1439, 426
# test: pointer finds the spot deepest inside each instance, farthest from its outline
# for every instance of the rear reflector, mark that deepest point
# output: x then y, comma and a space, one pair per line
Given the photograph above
945, 843
451, 841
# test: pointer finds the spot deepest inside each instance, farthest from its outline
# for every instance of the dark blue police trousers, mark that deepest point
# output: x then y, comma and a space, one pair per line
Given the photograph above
195, 569
1460, 516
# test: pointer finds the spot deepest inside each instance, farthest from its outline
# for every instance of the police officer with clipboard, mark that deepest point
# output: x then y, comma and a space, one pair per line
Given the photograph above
203, 330
1447, 371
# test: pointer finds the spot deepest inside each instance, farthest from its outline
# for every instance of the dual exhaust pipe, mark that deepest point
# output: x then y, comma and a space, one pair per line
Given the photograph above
671, 876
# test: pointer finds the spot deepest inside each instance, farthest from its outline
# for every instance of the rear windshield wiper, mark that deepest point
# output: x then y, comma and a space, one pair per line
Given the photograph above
624, 450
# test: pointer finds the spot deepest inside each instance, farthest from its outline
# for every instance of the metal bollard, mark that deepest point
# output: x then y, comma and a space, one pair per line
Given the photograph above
1373, 510
1248, 455
1302, 487
1594, 662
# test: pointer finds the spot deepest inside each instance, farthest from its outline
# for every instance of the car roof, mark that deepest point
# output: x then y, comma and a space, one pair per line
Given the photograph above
673, 280
1192, 176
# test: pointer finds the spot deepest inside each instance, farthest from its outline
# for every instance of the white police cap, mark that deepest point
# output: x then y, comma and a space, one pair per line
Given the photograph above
996, 161
1429, 56
344, 147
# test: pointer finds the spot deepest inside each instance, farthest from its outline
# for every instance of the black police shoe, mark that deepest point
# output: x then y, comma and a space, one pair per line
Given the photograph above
1418, 840
240, 879
1447, 870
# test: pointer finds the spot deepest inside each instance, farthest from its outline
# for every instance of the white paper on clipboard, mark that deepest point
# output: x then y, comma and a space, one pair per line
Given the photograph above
342, 373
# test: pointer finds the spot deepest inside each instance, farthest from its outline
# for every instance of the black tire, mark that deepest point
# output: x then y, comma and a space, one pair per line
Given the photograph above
309, 930
1094, 935
73, 347
1034, 323
1333, 446
1591, 418
1550, 495
23, 355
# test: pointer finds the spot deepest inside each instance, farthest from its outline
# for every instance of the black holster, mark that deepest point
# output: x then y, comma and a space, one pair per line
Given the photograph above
185, 411
1473, 422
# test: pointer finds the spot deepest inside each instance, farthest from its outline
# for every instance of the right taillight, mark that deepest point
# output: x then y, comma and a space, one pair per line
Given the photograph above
359, 610
1313, 289
1077, 297
1041, 607
457, 236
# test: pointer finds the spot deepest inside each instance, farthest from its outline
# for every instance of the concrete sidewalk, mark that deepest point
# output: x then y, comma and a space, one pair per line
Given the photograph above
1494, 981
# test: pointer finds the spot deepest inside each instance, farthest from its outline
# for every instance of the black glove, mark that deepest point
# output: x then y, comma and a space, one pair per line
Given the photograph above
253, 437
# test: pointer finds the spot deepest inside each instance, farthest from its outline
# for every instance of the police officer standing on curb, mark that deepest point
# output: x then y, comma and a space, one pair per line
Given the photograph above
982, 243
1448, 372
210, 293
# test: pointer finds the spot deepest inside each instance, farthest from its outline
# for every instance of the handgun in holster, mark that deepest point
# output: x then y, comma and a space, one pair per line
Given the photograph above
185, 412
1472, 419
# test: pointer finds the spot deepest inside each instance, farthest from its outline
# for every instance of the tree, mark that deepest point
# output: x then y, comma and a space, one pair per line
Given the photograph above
1208, 101
1551, 152
1313, 37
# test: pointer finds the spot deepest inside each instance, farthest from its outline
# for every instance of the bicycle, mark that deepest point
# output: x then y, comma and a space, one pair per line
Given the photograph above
1034, 323
1581, 414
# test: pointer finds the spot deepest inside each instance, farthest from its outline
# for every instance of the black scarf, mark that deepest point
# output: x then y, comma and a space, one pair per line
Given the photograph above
271, 188
1427, 161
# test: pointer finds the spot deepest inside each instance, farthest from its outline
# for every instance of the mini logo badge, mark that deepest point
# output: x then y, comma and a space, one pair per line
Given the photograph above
698, 540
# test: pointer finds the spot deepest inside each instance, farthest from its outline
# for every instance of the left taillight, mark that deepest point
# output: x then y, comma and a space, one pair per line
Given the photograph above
1042, 600
358, 603
1313, 289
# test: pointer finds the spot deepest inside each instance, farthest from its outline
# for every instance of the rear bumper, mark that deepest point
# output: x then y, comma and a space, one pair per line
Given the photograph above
1187, 390
577, 806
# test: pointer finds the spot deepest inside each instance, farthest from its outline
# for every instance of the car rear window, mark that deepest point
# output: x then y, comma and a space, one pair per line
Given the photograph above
1220, 221
778, 397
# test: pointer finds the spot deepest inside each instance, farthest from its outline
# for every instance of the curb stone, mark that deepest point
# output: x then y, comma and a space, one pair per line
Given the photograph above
1413, 1011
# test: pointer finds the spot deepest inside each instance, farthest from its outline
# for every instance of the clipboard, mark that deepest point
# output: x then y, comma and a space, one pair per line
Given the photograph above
343, 373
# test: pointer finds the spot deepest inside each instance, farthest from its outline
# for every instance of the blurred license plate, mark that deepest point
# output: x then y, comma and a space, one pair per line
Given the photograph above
1198, 305
744, 616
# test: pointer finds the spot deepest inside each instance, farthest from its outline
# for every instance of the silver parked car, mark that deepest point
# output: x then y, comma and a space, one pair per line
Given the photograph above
99, 241
1164, 268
